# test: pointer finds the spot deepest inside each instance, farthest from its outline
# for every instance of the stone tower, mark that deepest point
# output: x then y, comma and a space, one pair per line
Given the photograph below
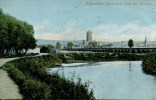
89, 36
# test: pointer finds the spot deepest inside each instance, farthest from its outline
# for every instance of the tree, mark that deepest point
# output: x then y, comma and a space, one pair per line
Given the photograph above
44, 49
94, 44
49, 46
130, 44
109, 45
15, 35
70, 44
58, 45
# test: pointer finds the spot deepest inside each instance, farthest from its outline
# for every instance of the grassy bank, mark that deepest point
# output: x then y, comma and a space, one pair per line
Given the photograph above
149, 63
34, 83
96, 57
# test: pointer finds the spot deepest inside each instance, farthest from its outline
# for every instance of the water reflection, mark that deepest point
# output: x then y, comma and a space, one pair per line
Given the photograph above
114, 80
130, 66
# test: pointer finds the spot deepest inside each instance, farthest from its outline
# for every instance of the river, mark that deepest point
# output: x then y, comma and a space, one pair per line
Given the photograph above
112, 80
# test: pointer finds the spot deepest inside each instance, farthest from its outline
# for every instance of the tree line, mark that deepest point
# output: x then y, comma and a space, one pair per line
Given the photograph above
16, 36
49, 47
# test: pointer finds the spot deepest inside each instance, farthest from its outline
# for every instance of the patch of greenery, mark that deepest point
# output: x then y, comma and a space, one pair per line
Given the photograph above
149, 63
100, 56
44, 49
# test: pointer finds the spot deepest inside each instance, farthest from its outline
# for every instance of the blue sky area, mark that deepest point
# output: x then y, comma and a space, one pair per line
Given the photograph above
109, 20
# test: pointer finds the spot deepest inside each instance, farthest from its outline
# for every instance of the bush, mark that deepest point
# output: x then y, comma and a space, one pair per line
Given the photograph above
67, 89
33, 89
149, 63
44, 50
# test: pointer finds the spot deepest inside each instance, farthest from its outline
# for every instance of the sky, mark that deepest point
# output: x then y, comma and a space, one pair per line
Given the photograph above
109, 20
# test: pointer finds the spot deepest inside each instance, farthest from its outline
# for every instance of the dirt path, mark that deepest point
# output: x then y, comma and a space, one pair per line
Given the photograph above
8, 88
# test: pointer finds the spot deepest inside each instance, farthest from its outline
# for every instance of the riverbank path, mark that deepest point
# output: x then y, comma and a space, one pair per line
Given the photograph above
8, 88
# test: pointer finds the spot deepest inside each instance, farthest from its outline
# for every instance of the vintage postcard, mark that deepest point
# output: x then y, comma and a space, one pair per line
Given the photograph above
78, 49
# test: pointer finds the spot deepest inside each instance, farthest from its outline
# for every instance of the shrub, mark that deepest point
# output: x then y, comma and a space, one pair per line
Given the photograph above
44, 49
33, 89
149, 63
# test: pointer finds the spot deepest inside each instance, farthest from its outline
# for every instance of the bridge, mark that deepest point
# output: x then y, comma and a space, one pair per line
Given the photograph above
107, 50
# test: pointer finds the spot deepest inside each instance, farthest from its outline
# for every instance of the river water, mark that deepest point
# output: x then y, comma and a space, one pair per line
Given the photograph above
112, 80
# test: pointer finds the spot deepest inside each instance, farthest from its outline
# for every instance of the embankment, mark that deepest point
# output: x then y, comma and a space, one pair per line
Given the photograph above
34, 82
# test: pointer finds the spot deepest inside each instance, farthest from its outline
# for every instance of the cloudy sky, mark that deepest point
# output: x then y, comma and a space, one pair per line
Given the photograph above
109, 20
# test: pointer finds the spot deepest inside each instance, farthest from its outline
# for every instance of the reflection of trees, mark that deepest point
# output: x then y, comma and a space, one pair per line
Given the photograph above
130, 68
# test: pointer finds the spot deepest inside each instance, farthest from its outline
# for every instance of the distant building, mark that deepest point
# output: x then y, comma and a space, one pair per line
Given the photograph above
89, 37
36, 50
